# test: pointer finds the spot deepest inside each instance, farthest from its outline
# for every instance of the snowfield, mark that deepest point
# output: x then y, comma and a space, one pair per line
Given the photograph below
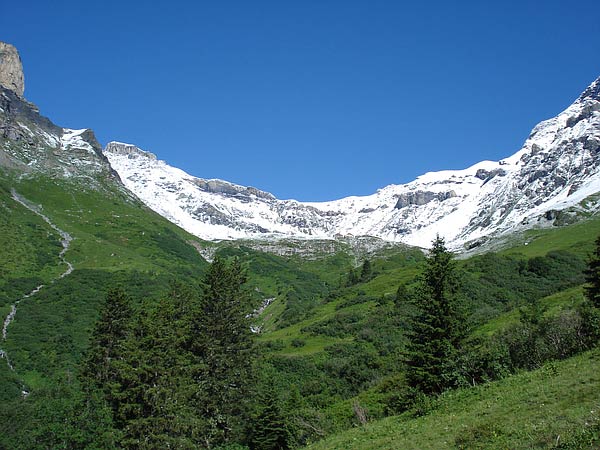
557, 167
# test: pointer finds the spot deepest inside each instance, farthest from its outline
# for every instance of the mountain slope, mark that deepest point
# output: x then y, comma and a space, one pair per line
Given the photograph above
553, 407
556, 169
32, 144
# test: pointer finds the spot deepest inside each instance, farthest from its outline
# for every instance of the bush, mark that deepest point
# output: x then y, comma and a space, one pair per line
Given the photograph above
531, 344
297, 342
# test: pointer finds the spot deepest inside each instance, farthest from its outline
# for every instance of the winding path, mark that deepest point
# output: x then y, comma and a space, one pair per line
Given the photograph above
65, 241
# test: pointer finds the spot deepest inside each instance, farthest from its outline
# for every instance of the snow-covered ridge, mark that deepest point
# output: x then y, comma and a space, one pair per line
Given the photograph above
30, 142
557, 167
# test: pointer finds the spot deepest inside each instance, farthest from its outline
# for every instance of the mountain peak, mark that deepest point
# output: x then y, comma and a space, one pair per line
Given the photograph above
11, 69
592, 92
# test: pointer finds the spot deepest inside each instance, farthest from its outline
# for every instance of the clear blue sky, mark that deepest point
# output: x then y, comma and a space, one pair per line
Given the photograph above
312, 100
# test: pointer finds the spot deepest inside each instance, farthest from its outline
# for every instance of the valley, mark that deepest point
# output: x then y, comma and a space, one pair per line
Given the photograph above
120, 274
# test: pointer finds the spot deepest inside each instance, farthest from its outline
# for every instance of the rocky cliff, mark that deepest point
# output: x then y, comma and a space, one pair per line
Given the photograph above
31, 143
11, 69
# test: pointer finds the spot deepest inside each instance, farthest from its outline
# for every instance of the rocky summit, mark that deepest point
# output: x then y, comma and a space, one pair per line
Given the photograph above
31, 143
11, 69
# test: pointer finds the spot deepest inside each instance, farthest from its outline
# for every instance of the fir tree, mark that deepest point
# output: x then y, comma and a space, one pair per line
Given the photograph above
269, 429
353, 277
99, 372
156, 407
592, 276
142, 367
100, 367
223, 345
437, 328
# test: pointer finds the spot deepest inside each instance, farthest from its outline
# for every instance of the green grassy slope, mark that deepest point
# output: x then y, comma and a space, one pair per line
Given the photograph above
351, 342
557, 406
29, 251
577, 238
116, 240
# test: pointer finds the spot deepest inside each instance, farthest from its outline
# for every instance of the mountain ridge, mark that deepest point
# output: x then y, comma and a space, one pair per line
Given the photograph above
544, 183
557, 167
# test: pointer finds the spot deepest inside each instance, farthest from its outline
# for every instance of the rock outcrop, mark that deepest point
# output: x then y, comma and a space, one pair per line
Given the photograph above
420, 198
129, 150
11, 69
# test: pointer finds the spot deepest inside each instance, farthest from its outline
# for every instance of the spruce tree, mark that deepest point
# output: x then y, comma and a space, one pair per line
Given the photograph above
223, 345
592, 276
156, 407
141, 366
353, 277
100, 374
437, 328
269, 429
106, 348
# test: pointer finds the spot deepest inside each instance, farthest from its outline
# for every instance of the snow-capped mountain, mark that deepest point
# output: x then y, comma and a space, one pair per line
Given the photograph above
556, 169
31, 143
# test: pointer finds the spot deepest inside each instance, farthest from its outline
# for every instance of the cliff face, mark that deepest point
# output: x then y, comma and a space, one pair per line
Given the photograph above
11, 69
31, 143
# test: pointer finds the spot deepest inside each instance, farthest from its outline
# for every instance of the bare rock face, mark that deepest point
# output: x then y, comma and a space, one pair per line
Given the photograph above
11, 69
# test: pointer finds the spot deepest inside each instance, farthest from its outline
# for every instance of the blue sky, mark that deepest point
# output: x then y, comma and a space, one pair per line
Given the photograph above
313, 100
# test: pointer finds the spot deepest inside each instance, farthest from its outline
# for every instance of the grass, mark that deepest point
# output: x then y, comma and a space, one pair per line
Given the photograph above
551, 305
119, 241
116, 241
312, 344
111, 230
577, 238
29, 250
558, 404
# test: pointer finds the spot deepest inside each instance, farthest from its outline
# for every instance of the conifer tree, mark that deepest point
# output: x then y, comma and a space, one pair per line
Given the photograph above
142, 367
223, 345
353, 277
99, 370
366, 271
156, 407
592, 276
437, 328
269, 430
100, 373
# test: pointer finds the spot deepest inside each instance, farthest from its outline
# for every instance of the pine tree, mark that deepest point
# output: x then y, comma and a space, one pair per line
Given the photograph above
437, 328
592, 276
223, 345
